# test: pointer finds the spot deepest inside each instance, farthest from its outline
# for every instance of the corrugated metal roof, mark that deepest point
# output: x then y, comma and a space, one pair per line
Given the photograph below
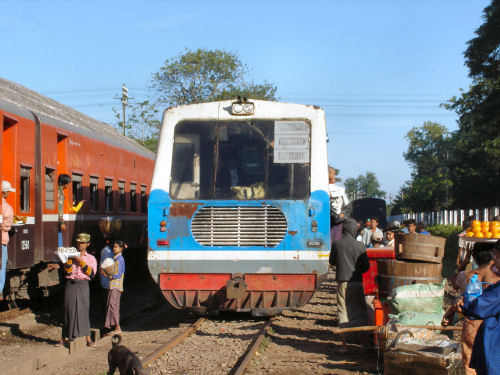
66, 117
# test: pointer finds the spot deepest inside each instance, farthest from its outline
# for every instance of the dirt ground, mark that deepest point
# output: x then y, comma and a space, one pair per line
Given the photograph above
302, 342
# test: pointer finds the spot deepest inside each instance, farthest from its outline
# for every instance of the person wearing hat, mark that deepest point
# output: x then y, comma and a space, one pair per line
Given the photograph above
376, 240
8, 218
78, 271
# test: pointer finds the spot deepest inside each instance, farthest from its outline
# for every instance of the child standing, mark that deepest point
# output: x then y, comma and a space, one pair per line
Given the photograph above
115, 290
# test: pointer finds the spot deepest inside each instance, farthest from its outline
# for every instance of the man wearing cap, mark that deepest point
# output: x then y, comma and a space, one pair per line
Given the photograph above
376, 240
78, 270
8, 218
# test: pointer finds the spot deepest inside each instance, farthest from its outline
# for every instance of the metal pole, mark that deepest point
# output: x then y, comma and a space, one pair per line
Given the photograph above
123, 106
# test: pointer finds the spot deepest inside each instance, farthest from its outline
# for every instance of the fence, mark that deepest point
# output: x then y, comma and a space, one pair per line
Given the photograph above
448, 217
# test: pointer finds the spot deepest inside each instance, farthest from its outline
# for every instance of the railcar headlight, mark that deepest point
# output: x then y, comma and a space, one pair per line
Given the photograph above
242, 107
248, 108
163, 226
237, 108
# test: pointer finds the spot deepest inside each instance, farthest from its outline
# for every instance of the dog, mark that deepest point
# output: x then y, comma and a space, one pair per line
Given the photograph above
123, 358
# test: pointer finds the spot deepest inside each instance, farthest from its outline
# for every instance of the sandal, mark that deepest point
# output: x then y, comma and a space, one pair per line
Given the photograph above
59, 343
91, 343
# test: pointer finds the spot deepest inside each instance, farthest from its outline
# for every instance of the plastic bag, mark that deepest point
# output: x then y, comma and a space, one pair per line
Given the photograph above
423, 298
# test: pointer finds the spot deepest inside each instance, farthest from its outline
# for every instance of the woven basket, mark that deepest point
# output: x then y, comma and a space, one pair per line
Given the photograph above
111, 270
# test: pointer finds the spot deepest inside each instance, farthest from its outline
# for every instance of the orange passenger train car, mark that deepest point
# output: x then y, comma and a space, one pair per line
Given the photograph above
42, 139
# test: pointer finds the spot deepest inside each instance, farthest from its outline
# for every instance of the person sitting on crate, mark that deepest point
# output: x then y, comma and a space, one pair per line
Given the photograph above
351, 261
485, 358
484, 254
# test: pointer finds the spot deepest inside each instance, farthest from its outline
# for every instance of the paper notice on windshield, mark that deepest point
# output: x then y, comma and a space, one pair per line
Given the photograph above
291, 142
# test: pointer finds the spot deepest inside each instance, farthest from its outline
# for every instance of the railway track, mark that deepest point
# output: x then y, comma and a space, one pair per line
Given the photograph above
242, 362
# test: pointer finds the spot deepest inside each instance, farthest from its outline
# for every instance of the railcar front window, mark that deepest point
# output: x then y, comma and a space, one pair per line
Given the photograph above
241, 160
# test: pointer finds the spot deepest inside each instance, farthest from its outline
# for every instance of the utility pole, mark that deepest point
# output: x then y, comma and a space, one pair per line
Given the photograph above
124, 104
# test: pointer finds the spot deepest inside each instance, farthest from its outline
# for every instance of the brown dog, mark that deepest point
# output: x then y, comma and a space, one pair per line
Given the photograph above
123, 358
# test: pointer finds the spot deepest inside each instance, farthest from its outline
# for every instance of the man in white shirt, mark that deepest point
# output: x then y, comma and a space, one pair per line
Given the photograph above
367, 233
338, 200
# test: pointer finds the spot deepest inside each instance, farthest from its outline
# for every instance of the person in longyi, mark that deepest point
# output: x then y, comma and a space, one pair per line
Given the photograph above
79, 270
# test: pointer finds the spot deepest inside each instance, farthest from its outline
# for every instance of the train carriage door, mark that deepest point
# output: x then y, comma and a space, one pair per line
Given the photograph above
9, 161
185, 176
62, 168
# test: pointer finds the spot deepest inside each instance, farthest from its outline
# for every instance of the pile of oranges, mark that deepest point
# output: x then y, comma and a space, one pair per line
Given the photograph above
484, 229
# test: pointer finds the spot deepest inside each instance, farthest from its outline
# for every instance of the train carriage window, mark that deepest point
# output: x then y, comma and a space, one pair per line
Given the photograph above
144, 201
77, 187
121, 192
108, 194
24, 200
49, 189
94, 193
133, 198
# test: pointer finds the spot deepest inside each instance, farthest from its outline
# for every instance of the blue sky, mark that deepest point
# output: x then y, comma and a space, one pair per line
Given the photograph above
378, 68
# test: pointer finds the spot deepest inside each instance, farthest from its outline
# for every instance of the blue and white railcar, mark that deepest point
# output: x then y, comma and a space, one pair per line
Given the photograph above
239, 207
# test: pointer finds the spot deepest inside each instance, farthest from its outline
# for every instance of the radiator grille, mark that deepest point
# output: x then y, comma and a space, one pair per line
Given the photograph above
239, 226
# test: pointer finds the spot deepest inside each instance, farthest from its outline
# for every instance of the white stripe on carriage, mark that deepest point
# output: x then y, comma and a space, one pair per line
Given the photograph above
239, 255
91, 217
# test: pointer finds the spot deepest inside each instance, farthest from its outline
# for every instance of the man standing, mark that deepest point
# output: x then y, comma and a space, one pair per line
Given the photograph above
349, 257
8, 218
338, 200
368, 232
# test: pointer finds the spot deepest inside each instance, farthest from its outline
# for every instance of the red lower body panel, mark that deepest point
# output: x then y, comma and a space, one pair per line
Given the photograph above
262, 291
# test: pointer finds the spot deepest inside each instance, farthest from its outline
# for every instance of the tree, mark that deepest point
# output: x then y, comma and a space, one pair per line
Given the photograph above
476, 165
142, 124
366, 186
206, 75
428, 154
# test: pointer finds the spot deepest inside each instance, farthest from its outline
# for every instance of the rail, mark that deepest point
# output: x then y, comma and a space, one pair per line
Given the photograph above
241, 364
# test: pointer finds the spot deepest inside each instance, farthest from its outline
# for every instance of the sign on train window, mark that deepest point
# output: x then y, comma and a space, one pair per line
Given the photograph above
291, 142
24, 201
